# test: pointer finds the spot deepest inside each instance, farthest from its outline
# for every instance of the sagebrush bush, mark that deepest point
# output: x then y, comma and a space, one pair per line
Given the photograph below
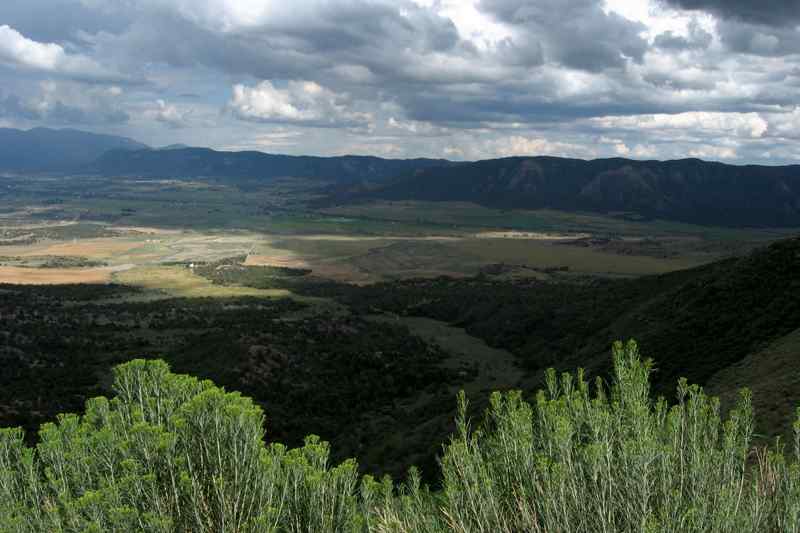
172, 453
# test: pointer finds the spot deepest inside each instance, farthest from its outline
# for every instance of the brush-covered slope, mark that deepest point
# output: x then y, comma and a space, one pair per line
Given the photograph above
189, 162
773, 374
694, 323
688, 190
382, 389
43, 149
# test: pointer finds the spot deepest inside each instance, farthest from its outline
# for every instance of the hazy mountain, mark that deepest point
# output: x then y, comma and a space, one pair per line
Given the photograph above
194, 162
43, 149
688, 190
176, 146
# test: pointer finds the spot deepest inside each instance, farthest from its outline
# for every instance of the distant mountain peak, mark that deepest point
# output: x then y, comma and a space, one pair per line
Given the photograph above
59, 150
177, 146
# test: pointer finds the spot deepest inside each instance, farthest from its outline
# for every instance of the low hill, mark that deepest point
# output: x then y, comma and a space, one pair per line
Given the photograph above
43, 149
191, 162
688, 190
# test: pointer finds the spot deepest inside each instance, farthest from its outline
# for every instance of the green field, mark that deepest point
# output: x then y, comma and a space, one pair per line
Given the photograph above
163, 222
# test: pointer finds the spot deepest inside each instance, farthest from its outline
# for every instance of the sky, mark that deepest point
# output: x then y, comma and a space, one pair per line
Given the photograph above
459, 79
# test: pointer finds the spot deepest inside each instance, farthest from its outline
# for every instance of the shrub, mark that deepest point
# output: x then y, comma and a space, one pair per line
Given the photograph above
172, 453
168, 453
609, 461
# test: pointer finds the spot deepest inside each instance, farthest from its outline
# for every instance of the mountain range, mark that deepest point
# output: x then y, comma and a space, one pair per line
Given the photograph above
205, 162
687, 190
49, 150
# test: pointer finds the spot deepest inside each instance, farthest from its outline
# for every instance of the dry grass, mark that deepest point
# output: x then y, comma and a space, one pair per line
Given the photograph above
54, 276
90, 248
147, 230
542, 254
277, 260
531, 235
181, 282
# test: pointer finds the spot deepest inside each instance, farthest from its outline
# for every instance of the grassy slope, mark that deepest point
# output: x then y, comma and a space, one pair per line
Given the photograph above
773, 374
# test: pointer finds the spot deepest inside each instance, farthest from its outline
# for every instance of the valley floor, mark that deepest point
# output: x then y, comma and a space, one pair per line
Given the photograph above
361, 323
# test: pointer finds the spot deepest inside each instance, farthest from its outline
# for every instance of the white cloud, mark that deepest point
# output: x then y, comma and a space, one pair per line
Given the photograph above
473, 25
714, 152
301, 102
785, 124
750, 125
170, 114
280, 139
416, 128
639, 151
66, 103
224, 15
527, 146
19, 51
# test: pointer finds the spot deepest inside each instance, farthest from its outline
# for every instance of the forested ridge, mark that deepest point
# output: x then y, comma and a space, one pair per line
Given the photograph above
688, 190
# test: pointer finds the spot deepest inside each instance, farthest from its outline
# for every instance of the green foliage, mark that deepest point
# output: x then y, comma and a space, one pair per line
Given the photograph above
172, 453
233, 271
168, 453
606, 461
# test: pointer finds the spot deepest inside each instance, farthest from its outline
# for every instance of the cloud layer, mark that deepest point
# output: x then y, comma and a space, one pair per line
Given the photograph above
442, 78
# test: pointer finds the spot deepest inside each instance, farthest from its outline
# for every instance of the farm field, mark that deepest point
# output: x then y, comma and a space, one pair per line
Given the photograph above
148, 233
134, 256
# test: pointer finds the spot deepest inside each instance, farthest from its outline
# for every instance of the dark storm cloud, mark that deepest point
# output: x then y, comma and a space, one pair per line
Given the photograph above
337, 33
767, 12
57, 20
746, 38
763, 27
575, 33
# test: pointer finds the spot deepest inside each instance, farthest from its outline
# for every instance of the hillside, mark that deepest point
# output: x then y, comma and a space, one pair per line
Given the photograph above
191, 162
43, 149
395, 377
688, 190
773, 375
695, 323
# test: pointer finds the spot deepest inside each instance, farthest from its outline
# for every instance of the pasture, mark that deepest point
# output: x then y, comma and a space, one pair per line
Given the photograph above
147, 232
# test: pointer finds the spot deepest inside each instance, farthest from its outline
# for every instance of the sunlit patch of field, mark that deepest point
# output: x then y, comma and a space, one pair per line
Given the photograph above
356, 259
276, 260
447, 239
181, 282
38, 225
531, 235
55, 276
91, 248
146, 230
373, 238
578, 259
369, 260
